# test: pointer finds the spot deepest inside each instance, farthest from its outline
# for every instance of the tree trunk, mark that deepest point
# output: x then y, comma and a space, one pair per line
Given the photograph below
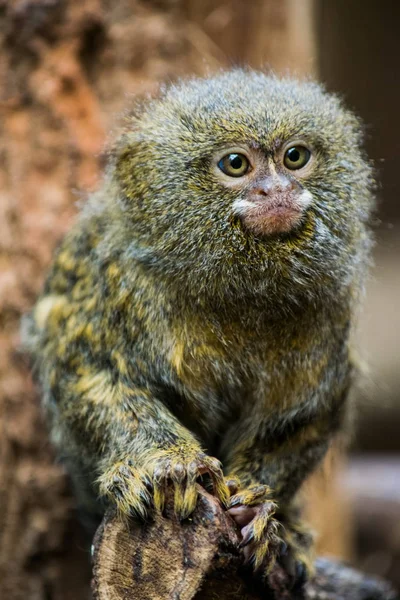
203, 563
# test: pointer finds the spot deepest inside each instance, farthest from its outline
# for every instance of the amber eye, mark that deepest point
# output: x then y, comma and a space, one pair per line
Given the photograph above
296, 157
234, 165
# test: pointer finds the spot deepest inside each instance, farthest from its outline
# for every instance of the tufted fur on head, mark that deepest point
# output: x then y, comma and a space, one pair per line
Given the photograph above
176, 217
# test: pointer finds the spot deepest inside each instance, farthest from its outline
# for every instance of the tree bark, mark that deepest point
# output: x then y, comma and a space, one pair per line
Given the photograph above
200, 559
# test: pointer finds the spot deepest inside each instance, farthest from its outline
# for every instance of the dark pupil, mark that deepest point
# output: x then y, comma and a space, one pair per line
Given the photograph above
293, 155
235, 161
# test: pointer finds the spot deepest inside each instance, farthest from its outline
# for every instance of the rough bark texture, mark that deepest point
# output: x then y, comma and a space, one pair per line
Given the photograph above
199, 559
67, 69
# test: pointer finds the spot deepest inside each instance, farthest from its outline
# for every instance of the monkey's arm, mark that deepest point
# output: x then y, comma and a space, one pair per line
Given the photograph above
271, 465
109, 426
106, 418
130, 439
280, 458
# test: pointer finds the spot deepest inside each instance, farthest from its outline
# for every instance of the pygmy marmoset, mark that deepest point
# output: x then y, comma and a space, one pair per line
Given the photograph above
195, 323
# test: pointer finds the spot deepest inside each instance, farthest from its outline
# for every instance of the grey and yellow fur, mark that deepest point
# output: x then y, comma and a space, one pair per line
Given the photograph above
167, 334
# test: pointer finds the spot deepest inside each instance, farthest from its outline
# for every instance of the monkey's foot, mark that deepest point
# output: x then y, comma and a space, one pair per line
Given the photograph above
181, 468
128, 488
267, 545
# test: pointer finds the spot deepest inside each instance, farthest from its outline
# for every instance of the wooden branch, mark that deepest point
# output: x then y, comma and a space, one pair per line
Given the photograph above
199, 559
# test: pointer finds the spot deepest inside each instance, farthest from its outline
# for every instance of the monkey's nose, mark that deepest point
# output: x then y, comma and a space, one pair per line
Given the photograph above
271, 186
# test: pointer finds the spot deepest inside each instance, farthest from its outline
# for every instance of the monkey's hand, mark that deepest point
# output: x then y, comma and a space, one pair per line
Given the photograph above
253, 511
135, 491
182, 467
267, 545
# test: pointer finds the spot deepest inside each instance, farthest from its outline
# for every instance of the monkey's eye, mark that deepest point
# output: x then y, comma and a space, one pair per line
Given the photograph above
234, 165
296, 157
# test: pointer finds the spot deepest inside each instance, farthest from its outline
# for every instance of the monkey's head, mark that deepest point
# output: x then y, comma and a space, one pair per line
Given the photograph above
244, 183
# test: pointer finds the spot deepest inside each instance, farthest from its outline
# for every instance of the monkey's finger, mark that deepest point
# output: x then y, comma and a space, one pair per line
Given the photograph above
242, 514
187, 503
139, 500
258, 555
247, 534
180, 509
248, 553
160, 486
221, 490
189, 500
233, 485
264, 556
177, 472
213, 468
253, 495
265, 553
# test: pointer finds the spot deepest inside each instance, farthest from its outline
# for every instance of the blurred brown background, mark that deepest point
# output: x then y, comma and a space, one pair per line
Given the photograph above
358, 56
67, 69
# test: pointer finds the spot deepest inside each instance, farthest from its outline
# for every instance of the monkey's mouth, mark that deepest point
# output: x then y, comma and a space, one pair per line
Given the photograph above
263, 218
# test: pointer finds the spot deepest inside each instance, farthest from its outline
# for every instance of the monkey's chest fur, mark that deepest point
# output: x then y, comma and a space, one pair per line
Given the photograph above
268, 373
210, 375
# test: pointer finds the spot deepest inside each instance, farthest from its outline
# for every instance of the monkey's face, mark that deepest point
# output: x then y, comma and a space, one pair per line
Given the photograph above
271, 197
248, 178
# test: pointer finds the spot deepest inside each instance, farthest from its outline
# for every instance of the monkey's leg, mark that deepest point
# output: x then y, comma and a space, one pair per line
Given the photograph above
270, 472
134, 445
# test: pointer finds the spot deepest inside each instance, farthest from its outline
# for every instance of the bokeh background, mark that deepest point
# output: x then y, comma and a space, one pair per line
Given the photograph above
67, 71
